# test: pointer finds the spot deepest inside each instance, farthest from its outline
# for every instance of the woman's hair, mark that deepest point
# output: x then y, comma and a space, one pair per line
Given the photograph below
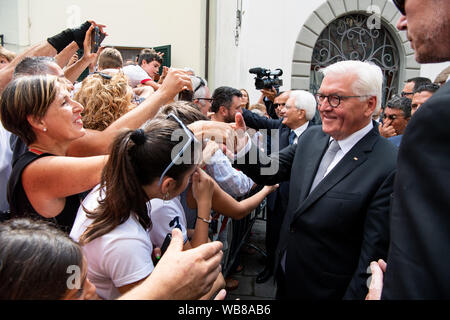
187, 112
27, 96
104, 100
34, 260
258, 106
248, 98
137, 159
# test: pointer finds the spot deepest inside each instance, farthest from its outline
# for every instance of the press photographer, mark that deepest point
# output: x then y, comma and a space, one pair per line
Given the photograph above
269, 83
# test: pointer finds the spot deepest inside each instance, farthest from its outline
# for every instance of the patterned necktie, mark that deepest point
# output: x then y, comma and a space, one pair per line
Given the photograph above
292, 136
327, 158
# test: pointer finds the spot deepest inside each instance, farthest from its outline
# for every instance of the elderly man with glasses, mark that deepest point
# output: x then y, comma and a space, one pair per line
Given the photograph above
337, 215
201, 94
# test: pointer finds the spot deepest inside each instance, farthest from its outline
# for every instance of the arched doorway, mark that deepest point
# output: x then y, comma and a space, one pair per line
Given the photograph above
329, 13
352, 37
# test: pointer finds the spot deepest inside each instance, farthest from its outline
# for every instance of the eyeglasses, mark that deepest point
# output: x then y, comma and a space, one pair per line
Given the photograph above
206, 99
104, 75
404, 93
189, 142
334, 100
201, 84
276, 105
400, 4
392, 116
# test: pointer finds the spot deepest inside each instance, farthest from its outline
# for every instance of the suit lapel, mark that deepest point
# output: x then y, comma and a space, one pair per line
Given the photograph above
354, 158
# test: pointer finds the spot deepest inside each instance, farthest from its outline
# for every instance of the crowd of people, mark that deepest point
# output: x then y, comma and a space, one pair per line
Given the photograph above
98, 174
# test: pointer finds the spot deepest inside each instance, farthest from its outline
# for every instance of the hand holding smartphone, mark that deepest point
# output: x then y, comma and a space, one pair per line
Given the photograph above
96, 39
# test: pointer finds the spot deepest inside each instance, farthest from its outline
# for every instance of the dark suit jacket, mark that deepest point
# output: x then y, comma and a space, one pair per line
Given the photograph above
419, 259
332, 235
278, 142
282, 132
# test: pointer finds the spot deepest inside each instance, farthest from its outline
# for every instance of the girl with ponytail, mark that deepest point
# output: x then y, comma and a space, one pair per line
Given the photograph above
113, 225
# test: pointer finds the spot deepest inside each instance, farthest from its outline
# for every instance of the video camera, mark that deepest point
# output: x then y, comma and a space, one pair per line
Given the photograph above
266, 79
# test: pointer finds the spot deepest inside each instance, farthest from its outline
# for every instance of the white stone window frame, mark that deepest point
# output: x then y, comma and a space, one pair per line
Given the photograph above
333, 9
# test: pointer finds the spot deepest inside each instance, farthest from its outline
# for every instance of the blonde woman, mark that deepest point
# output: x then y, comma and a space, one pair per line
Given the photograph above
105, 99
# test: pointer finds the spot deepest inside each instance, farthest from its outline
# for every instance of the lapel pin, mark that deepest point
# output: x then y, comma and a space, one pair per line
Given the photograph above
355, 158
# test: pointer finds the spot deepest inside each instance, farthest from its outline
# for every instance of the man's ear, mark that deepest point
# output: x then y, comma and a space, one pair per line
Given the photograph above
301, 114
36, 123
223, 110
371, 106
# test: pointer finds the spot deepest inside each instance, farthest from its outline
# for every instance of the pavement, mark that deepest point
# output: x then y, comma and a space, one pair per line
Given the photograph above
253, 264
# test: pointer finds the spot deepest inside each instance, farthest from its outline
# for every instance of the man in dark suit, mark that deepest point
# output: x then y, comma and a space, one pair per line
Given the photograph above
418, 263
341, 177
299, 109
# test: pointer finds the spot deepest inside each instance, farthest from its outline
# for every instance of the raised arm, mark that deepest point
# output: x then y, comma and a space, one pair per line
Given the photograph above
98, 142
228, 206
64, 56
49, 180
41, 49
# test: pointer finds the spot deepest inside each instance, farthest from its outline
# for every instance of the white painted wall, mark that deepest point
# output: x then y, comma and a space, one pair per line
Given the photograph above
268, 34
432, 70
267, 38
149, 23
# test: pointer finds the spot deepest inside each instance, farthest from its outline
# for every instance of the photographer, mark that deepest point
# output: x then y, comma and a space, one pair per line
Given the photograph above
268, 82
267, 98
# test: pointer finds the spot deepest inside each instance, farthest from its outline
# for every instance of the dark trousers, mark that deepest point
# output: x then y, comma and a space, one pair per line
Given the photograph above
280, 278
274, 221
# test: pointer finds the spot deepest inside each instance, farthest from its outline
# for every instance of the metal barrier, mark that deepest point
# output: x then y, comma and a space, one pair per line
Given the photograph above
239, 233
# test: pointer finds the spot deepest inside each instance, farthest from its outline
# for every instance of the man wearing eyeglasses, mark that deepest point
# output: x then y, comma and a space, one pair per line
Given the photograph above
418, 263
396, 116
202, 96
279, 102
412, 84
337, 215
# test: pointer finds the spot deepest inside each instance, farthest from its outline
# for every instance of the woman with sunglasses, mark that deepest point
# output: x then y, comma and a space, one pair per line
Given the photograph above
115, 216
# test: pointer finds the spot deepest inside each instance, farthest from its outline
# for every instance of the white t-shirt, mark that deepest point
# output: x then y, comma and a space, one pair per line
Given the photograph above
121, 257
5, 166
166, 215
135, 75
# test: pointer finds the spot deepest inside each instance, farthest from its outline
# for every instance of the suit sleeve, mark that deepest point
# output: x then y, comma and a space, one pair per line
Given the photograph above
375, 239
257, 122
265, 170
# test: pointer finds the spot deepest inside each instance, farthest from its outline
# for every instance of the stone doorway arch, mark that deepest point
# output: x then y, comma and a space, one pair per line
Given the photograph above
331, 10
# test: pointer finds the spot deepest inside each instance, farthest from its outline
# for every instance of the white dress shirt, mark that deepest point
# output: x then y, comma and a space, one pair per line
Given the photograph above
300, 130
347, 144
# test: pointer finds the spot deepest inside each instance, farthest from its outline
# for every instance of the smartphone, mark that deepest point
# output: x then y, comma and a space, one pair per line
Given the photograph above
166, 243
97, 39
186, 95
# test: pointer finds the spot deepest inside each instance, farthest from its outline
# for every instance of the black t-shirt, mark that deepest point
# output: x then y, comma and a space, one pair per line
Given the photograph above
20, 206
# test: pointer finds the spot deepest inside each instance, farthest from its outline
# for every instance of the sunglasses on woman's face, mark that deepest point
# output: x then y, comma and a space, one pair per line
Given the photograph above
188, 143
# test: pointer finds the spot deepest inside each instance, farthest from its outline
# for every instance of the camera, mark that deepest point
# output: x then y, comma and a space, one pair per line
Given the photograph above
266, 79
